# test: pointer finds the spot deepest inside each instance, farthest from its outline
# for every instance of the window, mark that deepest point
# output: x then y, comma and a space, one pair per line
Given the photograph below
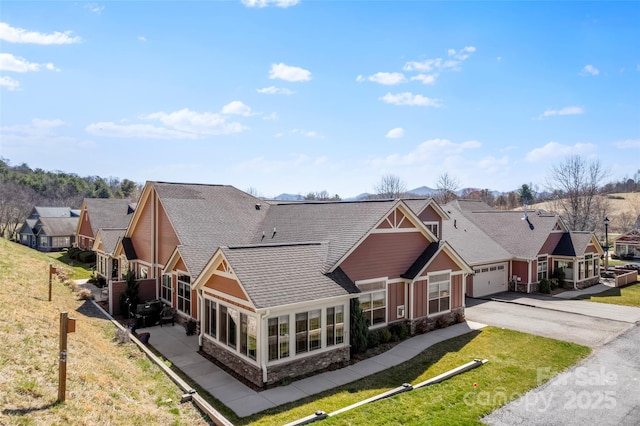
114, 268
374, 307
278, 337
542, 268
184, 294
229, 326
61, 241
308, 331
433, 227
335, 325
44, 241
439, 293
144, 273
248, 333
166, 290
210, 317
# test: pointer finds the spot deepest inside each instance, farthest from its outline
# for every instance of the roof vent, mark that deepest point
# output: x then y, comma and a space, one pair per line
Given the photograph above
455, 223
274, 232
257, 206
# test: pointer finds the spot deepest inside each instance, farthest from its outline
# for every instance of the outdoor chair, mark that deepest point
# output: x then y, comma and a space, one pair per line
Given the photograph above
167, 315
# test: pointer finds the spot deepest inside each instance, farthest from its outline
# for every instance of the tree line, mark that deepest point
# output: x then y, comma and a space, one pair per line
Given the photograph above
22, 188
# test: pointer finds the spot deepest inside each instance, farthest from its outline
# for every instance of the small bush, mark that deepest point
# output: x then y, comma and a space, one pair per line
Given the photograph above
385, 336
554, 283
84, 294
545, 286
399, 331
87, 257
560, 275
74, 252
373, 340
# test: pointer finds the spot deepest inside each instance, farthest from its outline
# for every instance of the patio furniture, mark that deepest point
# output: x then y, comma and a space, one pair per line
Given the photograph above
148, 312
167, 315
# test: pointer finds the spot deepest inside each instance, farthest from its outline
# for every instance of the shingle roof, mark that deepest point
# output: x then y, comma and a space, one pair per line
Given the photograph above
341, 224
206, 217
471, 242
52, 211
58, 226
573, 244
108, 213
277, 275
423, 259
110, 238
521, 238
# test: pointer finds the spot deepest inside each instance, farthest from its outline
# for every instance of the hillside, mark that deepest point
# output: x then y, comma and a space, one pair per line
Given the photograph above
108, 383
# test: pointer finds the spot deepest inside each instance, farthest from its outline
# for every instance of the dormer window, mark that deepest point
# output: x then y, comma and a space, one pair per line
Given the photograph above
434, 227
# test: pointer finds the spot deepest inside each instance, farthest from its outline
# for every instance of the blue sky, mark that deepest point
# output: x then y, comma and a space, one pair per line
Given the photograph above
299, 96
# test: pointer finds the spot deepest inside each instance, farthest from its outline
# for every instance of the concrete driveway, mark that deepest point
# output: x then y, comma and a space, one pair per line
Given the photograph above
602, 390
587, 323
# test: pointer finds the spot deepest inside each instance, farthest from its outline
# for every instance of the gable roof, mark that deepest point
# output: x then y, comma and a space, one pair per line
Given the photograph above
109, 239
469, 240
108, 213
43, 211
27, 226
522, 238
278, 275
57, 226
341, 224
575, 243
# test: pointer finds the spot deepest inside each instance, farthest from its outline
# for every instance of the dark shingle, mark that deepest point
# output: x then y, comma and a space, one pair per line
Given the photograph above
108, 213
57, 226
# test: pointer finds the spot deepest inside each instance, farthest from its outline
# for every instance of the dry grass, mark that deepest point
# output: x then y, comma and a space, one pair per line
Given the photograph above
107, 382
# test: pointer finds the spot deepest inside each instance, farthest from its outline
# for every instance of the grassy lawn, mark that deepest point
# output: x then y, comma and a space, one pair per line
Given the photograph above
107, 383
77, 270
514, 360
628, 296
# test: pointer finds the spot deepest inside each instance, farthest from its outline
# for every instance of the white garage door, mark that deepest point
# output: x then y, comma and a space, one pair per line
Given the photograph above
489, 279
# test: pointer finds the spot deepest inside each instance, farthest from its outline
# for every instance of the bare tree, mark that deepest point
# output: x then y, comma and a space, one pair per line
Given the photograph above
15, 204
578, 182
390, 186
447, 186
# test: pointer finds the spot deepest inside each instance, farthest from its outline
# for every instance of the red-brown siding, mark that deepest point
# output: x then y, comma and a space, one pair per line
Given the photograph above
226, 286
552, 241
456, 291
442, 262
420, 293
167, 238
141, 237
591, 249
520, 269
430, 215
384, 255
85, 231
396, 298
469, 285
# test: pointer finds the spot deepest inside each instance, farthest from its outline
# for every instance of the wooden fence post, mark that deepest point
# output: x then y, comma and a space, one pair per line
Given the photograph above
67, 325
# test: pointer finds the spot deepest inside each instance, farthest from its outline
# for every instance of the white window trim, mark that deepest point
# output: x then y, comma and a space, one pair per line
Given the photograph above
429, 275
431, 223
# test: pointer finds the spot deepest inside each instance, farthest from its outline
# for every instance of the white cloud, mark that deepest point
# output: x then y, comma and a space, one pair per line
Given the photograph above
273, 90
8, 62
453, 62
570, 110
407, 98
554, 150
265, 3
289, 73
37, 127
237, 108
386, 78
206, 123
629, 143
396, 133
140, 131
142, 38
306, 133
9, 83
425, 78
272, 116
94, 8
589, 70
432, 152
19, 35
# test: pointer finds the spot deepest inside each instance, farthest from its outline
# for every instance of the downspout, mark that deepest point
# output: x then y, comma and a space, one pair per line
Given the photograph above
529, 276
263, 345
576, 273
464, 289
200, 310
410, 300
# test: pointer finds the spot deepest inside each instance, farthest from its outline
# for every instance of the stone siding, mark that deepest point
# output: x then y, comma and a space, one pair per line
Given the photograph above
588, 282
245, 369
426, 324
283, 373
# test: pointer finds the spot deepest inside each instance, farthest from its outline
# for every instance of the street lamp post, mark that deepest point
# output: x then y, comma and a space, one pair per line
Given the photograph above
606, 242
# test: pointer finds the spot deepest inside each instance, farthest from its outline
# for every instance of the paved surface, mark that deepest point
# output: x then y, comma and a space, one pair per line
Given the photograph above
602, 390
568, 326
173, 343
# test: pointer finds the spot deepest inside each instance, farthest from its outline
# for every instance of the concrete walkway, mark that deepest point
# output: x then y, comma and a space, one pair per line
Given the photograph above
173, 343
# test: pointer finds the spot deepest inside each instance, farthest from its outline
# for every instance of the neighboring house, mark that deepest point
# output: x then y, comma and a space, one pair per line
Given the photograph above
271, 283
54, 233
99, 213
106, 241
627, 246
28, 235
515, 250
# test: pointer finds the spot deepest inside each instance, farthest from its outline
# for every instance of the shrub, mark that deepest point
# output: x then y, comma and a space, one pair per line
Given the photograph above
560, 275
73, 252
385, 335
87, 257
84, 294
373, 340
545, 286
359, 328
130, 295
399, 331
553, 283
